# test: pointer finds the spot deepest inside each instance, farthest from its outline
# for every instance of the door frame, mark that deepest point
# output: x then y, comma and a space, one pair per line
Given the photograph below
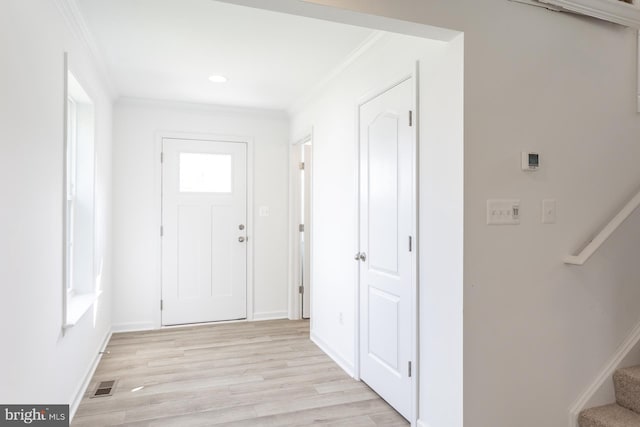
415, 320
157, 153
294, 297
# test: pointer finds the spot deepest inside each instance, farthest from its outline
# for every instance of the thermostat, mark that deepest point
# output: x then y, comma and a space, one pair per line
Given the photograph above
530, 161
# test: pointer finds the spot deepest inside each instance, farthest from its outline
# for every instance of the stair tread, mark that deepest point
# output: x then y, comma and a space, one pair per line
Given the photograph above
612, 415
627, 387
632, 371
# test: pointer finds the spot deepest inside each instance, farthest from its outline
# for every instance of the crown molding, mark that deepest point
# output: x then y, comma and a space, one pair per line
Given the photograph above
615, 11
126, 101
78, 26
372, 40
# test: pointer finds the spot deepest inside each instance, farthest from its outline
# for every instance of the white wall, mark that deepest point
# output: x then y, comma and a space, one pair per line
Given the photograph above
333, 118
537, 332
39, 363
137, 202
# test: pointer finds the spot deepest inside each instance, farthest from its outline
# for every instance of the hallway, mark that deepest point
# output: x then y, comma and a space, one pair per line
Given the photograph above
235, 374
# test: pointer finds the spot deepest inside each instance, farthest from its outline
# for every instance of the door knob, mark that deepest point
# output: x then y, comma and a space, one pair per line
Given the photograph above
357, 257
241, 239
363, 256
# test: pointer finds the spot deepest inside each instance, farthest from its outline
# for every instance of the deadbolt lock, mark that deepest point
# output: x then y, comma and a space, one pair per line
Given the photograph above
241, 227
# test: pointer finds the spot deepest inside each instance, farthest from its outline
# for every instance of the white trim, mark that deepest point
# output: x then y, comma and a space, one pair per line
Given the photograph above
77, 305
65, 115
151, 326
191, 325
133, 327
372, 40
349, 17
415, 317
415, 309
356, 232
605, 374
340, 361
638, 72
249, 140
76, 23
82, 388
270, 315
605, 233
614, 11
421, 423
194, 106
537, 3
311, 232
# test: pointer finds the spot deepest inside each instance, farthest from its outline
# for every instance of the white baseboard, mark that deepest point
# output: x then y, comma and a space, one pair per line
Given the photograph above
344, 364
148, 326
133, 327
605, 375
82, 389
271, 315
423, 423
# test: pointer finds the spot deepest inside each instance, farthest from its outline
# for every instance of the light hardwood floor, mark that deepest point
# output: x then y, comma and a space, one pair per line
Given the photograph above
236, 374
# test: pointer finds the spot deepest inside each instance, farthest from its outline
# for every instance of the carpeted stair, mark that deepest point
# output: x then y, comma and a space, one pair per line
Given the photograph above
626, 411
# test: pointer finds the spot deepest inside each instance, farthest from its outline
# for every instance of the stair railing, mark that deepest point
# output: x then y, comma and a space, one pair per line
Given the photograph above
605, 233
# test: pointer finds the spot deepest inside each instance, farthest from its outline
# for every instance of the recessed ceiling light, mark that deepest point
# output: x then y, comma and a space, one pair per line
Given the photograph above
218, 79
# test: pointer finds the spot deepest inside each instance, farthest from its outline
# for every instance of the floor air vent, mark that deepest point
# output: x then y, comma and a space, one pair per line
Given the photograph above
105, 388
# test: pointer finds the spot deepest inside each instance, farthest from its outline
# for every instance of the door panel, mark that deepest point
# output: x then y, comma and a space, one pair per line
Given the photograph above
387, 205
383, 193
382, 327
203, 205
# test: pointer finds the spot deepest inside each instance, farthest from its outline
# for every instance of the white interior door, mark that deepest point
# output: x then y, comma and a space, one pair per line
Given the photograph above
387, 206
204, 211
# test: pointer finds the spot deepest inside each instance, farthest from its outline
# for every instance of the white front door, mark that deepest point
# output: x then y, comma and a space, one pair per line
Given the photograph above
387, 206
204, 211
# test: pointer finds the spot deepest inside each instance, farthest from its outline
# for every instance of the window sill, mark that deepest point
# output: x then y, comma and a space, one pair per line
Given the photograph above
77, 306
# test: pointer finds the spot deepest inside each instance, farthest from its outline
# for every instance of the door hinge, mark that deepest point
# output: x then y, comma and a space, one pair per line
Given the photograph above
301, 289
161, 231
301, 165
410, 243
301, 228
161, 305
410, 118
409, 369
161, 157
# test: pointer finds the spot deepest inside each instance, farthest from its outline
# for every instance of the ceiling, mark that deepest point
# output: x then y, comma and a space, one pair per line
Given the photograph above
167, 49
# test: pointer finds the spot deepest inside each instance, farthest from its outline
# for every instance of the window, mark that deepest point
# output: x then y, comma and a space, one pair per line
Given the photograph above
70, 188
205, 173
79, 280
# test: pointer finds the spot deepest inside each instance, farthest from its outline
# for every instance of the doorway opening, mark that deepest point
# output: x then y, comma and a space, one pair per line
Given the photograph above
301, 205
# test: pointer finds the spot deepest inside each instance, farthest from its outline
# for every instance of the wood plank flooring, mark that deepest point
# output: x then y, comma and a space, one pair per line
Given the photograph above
236, 374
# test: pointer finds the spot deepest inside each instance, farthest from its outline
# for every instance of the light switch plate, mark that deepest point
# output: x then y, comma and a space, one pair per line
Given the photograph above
503, 211
549, 211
